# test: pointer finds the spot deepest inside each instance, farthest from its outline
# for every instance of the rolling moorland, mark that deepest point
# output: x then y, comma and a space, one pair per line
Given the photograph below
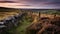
30, 21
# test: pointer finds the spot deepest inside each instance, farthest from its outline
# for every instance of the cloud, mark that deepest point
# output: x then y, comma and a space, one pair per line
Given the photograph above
34, 3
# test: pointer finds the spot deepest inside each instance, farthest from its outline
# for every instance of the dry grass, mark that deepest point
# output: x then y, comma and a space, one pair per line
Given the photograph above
4, 15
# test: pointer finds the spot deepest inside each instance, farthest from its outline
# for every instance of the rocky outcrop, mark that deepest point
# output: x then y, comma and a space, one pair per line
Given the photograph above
10, 22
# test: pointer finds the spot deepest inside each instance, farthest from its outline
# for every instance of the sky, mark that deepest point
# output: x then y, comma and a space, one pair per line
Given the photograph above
36, 4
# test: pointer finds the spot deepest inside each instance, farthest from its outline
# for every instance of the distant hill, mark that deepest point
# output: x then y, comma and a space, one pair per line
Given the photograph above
46, 11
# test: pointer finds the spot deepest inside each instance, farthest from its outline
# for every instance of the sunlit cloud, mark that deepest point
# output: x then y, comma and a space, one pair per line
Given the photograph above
30, 3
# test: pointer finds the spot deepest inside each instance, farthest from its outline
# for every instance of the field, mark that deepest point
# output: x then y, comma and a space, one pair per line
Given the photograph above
32, 21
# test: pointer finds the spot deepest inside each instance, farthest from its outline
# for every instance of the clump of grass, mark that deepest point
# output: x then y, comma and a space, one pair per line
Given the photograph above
26, 20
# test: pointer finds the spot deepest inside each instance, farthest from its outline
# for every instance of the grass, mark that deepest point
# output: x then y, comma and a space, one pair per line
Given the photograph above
24, 23
22, 27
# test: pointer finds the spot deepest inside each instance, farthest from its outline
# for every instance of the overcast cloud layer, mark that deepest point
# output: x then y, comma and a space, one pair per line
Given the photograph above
31, 3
